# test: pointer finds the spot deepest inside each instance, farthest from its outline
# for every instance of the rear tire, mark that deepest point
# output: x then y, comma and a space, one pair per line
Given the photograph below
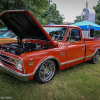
95, 58
45, 72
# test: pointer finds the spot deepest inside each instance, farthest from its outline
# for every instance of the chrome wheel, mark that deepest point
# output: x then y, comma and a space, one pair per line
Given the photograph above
96, 57
46, 71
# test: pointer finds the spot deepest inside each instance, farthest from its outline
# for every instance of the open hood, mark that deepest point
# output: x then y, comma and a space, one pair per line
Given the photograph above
24, 25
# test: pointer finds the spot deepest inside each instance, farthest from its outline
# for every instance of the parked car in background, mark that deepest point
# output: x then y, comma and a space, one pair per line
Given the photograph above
2, 30
8, 33
7, 37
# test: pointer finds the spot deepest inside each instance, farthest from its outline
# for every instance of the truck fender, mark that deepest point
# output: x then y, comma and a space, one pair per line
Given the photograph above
44, 59
96, 51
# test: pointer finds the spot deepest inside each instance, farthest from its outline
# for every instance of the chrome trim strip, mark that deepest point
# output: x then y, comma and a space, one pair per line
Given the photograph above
7, 61
59, 62
83, 45
89, 56
75, 60
96, 50
45, 60
12, 62
22, 64
20, 76
4, 59
8, 64
64, 62
72, 61
6, 55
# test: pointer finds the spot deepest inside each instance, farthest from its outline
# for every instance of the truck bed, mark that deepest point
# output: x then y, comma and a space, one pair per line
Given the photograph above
87, 39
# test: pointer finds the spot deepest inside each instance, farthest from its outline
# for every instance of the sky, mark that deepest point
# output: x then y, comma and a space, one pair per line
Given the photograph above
72, 8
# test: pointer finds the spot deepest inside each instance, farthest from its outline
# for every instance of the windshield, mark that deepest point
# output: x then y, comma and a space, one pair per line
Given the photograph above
56, 33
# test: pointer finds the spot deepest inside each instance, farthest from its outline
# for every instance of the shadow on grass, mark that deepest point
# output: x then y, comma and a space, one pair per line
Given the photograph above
4, 77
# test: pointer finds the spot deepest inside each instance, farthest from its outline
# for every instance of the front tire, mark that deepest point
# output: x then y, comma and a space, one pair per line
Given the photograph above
95, 58
46, 71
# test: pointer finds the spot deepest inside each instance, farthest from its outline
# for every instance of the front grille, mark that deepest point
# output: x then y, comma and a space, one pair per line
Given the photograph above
7, 60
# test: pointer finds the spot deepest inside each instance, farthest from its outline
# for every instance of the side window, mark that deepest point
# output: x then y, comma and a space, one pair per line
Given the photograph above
74, 34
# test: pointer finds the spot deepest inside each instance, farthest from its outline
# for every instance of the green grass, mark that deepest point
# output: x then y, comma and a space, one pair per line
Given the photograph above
81, 82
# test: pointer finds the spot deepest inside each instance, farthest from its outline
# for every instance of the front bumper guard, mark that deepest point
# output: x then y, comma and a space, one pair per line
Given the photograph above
20, 76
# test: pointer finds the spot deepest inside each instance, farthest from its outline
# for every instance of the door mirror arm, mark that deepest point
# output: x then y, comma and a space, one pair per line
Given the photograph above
71, 41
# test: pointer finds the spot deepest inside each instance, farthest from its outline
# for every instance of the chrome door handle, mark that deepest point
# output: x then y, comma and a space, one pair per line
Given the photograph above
63, 53
83, 45
68, 44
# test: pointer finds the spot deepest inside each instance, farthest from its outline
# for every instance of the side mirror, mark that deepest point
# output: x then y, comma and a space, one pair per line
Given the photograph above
72, 40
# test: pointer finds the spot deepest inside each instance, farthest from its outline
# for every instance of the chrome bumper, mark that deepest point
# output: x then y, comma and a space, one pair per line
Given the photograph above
20, 76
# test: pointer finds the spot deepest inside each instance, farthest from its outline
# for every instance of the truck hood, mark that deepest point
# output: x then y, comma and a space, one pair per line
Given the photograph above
24, 25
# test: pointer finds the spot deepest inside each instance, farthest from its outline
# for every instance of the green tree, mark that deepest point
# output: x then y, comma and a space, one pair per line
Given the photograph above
52, 15
97, 16
38, 7
78, 19
11, 5
42, 10
97, 10
46, 13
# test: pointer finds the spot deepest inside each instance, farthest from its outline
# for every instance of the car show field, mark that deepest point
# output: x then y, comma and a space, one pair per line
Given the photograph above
49, 50
80, 82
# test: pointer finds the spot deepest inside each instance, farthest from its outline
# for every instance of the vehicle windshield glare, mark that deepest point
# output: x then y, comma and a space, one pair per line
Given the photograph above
56, 33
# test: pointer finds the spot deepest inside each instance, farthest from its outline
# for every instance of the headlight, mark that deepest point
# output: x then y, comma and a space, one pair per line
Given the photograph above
18, 64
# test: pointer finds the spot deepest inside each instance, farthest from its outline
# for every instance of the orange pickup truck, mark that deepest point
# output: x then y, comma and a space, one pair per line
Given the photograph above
45, 49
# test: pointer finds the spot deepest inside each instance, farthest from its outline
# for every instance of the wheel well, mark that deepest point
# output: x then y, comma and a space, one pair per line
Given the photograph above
99, 52
57, 64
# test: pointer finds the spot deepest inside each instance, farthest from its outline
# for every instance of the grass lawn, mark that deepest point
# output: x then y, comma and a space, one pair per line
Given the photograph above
81, 82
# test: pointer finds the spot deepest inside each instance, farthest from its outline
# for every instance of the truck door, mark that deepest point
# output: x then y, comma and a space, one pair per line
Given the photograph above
75, 47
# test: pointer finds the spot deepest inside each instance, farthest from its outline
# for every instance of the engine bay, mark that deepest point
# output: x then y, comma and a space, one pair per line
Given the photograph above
23, 47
